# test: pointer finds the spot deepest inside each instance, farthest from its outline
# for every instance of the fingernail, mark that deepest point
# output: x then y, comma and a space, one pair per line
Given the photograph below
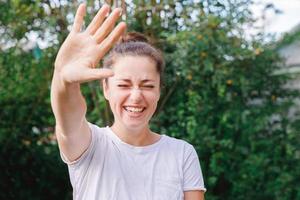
119, 11
106, 8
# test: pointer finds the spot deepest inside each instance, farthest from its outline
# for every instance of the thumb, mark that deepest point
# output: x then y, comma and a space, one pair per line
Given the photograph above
96, 74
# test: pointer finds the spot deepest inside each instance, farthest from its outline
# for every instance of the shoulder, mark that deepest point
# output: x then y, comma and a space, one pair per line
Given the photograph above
179, 145
98, 132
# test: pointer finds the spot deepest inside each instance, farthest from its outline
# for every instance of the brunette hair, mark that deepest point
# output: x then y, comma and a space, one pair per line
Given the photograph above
135, 44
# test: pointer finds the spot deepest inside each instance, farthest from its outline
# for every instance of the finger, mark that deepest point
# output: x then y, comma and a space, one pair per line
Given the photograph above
78, 21
108, 25
113, 37
98, 19
96, 74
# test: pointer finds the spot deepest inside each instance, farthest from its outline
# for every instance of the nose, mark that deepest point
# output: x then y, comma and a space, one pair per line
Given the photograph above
136, 95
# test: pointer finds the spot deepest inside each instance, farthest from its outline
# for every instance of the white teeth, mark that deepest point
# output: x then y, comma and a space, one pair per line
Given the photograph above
133, 109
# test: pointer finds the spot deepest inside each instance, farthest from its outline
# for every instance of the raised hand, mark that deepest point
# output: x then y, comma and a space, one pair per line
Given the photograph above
82, 50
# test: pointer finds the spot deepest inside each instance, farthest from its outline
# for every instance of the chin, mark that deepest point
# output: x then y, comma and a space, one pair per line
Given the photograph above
135, 126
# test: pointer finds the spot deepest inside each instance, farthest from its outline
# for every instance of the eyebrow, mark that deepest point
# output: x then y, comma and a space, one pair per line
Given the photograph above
143, 81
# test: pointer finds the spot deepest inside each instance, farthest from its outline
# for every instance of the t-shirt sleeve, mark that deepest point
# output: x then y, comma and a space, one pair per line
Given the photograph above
79, 168
87, 153
192, 173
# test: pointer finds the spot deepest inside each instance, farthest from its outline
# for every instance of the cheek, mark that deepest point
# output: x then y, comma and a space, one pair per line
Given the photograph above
117, 99
152, 97
118, 96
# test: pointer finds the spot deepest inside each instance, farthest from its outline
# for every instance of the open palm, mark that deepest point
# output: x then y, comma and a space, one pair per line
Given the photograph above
82, 50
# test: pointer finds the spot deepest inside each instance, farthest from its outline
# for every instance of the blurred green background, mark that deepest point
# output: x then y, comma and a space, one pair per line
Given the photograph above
222, 93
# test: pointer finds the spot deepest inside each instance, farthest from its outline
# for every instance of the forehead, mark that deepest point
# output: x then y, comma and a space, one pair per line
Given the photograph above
135, 67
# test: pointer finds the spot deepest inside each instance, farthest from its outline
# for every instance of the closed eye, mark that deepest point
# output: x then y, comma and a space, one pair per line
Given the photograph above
123, 86
148, 86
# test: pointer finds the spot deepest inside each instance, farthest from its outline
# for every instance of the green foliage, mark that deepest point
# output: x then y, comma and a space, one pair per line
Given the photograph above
234, 110
220, 94
30, 159
30, 164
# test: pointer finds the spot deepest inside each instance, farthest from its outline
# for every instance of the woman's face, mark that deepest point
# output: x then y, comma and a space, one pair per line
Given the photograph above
133, 91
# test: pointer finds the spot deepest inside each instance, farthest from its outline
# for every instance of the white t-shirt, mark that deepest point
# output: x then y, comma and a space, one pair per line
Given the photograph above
111, 169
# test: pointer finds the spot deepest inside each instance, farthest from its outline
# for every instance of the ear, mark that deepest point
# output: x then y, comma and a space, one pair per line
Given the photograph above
105, 88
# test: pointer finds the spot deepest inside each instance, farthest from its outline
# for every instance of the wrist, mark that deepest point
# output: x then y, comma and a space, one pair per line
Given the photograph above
59, 79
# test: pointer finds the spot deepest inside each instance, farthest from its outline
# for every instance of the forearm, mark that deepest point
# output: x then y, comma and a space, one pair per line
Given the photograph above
68, 105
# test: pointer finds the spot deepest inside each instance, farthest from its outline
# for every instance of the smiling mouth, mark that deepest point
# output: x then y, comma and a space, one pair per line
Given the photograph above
134, 109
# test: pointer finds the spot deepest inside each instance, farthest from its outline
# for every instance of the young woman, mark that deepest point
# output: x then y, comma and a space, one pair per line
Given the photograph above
126, 161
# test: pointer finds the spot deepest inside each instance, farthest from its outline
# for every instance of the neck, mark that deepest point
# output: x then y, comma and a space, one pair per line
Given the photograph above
136, 137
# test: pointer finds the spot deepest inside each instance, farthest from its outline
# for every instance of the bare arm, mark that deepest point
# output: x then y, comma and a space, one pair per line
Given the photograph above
75, 63
194, 195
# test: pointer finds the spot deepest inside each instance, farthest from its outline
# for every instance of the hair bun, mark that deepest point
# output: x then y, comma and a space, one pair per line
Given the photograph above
134, 37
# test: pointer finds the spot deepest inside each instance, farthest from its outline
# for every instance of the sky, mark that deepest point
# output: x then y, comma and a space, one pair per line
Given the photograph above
279, 23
